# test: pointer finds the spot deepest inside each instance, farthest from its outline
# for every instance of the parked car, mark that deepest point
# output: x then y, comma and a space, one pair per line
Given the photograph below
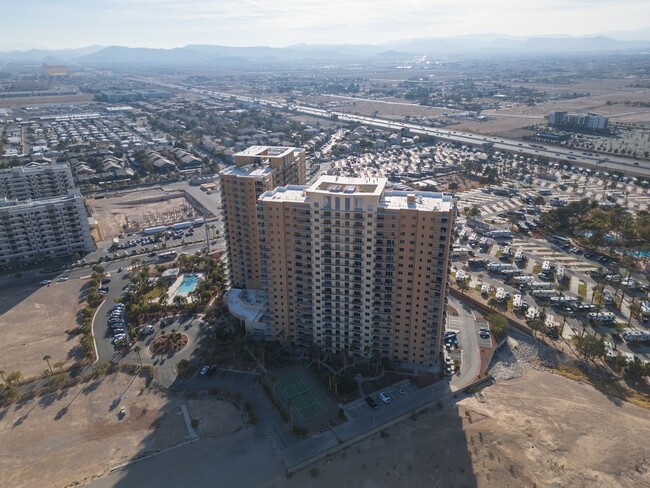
484, 333
204, 370
384, 398
45, 282
372, 403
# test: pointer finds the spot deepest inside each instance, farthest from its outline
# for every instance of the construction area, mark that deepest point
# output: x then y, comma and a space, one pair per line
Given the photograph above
130, 212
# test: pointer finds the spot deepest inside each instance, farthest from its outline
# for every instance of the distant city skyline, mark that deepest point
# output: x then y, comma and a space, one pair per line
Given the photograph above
175, 23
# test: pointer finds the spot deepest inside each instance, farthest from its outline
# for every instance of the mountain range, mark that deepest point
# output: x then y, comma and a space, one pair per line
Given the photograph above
214, 56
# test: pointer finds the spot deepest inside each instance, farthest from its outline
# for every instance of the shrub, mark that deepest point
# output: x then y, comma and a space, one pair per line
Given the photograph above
341, 413
195, 423
313, 472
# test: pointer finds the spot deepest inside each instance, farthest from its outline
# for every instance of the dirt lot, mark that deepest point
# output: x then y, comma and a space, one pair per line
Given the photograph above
76, 435
143, 208
15, 102
33, 321
538, 430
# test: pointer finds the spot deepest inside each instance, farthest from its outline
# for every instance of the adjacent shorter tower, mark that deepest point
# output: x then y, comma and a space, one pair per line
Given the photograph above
257, 169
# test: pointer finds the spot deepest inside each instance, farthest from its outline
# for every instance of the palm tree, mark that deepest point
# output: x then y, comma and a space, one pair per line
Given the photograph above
290, 404
47, 358
137, 350
274, 381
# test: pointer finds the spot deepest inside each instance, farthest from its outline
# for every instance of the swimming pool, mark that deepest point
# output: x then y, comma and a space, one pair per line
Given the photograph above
188, 284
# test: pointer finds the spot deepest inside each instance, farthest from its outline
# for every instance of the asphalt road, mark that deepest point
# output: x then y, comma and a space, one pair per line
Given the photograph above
101, 331
468, 341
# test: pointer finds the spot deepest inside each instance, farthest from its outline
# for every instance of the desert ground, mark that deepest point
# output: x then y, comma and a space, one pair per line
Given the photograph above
509, 120
76, 435
143, 208
33, 321
539, 430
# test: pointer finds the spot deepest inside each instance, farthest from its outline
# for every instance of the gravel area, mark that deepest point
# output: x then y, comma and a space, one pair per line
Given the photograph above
521, 353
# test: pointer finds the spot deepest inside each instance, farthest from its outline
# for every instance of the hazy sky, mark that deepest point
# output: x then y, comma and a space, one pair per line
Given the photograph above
174, 23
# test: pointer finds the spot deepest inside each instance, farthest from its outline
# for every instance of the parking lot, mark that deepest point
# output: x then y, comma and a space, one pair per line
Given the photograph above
398, 393
547, 271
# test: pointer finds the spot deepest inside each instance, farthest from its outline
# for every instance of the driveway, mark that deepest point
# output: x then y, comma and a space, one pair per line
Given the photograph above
468, 341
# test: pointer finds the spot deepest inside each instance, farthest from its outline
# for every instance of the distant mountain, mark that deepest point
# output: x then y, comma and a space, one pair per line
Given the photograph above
494, 43
633, 35
196, 55
43, 55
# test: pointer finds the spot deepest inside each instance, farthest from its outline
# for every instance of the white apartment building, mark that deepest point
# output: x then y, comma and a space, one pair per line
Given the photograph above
35, 181
591, 121
42, 230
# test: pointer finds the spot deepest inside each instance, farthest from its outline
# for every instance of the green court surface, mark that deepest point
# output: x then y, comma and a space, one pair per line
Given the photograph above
305, 402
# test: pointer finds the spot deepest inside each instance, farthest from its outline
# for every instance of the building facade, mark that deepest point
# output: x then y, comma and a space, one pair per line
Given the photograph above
257, 169
589, 121
43, 230
353, 267
35, 181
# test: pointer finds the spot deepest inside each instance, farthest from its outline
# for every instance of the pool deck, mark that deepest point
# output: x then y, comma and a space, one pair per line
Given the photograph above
175, 286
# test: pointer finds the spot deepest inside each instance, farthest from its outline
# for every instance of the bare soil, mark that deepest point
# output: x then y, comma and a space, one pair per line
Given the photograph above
538, 430
131, 211
77, 434
33, 321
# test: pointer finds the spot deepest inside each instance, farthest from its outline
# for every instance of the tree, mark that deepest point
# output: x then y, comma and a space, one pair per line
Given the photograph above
137, 350
499, 324
590, 347
13, 378
290, 404
274, 381
537, 325
47, 358
637, 371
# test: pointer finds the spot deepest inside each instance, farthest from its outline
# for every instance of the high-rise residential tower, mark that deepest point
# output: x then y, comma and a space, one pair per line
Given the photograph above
349, 265
257, 169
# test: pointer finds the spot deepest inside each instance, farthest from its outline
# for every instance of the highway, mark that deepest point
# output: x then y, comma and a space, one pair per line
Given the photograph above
572, 156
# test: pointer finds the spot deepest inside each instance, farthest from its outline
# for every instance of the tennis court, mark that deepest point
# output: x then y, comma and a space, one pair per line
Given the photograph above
305, 401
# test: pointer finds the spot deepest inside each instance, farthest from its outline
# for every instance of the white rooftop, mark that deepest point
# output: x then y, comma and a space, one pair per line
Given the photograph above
435, 202
347, 185
249, 170
293, 193
248, 305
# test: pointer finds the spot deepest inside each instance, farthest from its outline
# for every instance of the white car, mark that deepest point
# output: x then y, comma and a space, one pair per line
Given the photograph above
384, 398
45, 282
62, 279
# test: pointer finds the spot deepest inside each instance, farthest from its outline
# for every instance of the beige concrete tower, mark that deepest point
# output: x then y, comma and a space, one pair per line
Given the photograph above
257, 169
351, 266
